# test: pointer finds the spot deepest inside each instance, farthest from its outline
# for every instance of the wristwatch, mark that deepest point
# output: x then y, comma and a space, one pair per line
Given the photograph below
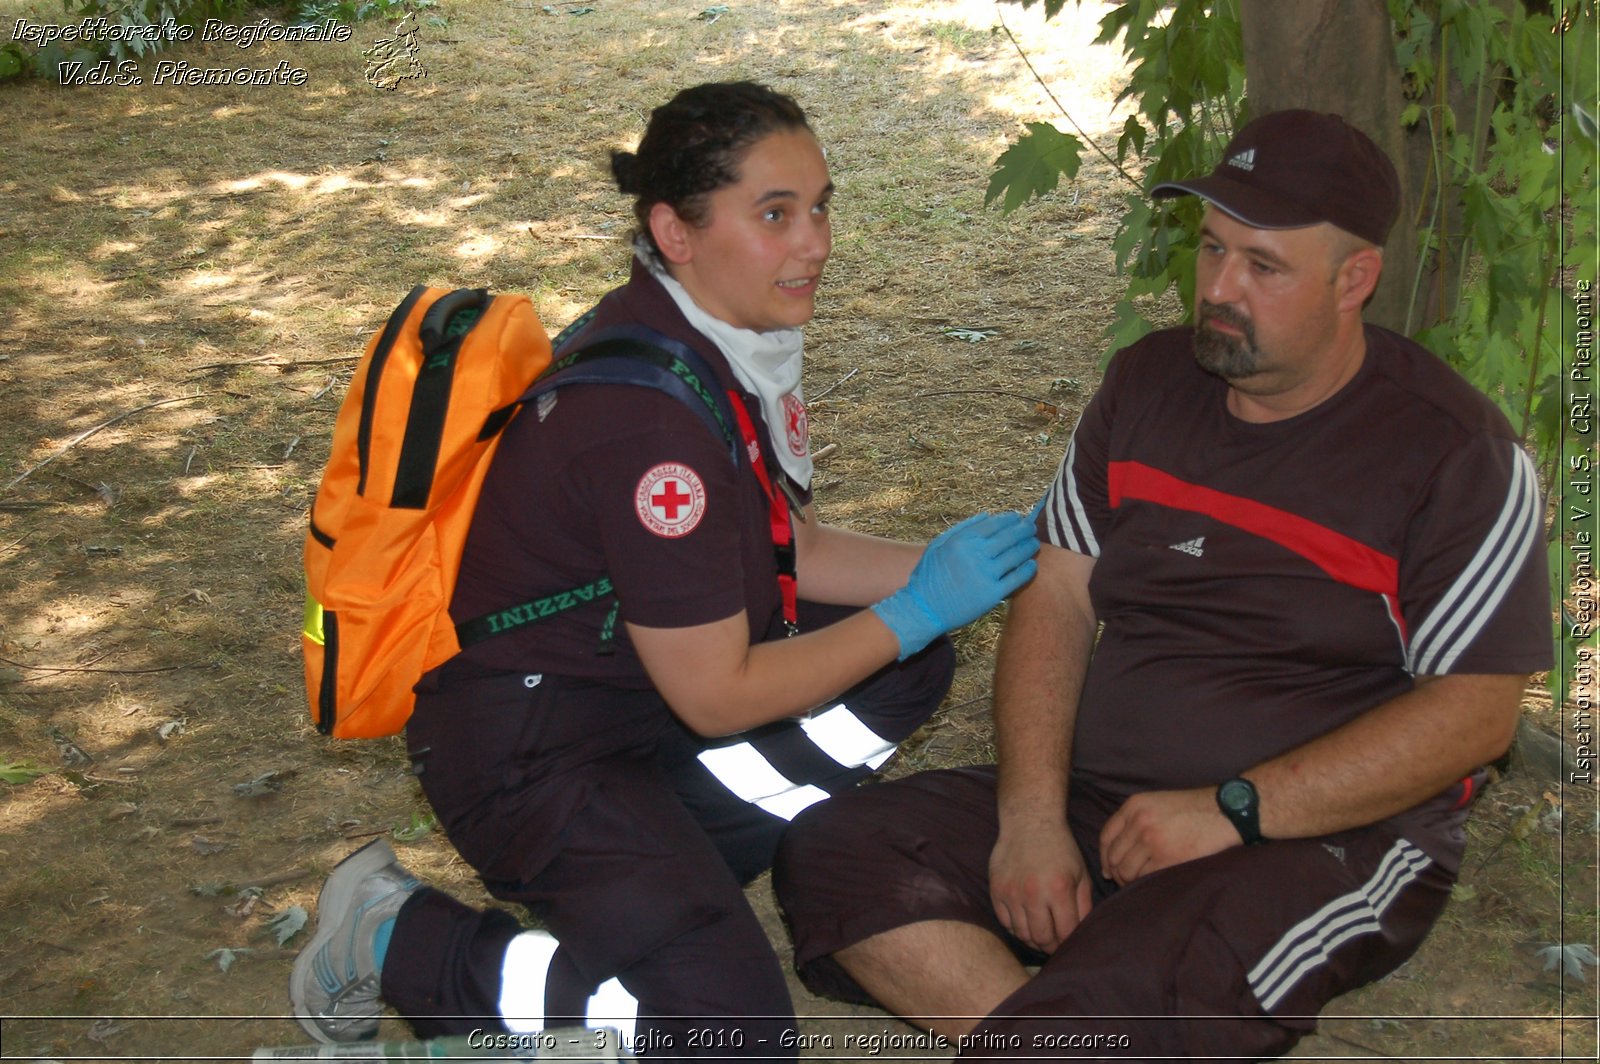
1239, 802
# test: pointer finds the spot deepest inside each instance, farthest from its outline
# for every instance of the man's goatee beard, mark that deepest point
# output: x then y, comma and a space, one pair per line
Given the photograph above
1226, 356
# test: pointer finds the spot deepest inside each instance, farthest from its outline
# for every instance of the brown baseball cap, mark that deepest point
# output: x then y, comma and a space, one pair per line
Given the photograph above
1291, 169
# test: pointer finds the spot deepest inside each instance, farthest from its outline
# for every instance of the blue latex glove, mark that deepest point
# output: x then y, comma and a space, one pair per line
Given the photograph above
964, 573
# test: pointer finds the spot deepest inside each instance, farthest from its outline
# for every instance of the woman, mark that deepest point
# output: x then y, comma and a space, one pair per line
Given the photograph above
623, 781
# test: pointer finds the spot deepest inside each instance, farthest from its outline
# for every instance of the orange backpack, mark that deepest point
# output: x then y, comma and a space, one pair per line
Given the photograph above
411, 445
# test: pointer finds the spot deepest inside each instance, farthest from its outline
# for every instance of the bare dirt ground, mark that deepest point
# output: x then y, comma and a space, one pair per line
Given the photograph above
186, 276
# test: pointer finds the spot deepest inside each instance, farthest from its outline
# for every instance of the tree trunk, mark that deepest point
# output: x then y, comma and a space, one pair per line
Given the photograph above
1338, 55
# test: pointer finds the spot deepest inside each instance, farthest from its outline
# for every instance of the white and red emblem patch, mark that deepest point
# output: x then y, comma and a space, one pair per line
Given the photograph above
671, 500
796, 425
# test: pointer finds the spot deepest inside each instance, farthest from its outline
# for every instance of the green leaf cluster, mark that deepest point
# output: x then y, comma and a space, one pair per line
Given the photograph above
1509, 222
1186, 77
353, 11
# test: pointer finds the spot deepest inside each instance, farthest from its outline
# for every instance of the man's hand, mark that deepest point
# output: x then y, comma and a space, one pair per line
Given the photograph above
1038, 885
1158, 829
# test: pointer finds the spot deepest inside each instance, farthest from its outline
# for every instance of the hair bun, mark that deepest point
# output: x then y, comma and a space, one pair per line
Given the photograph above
625, 170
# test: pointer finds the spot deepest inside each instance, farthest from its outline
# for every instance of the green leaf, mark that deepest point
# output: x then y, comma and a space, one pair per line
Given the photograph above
1129, 326
1584, 121
1571, 957
287, 924
1133, 136
1033, 166
18, 772
227, 955
420, 825
12, 62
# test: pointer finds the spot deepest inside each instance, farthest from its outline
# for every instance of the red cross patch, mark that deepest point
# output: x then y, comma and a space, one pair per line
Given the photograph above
796, 426
671, 499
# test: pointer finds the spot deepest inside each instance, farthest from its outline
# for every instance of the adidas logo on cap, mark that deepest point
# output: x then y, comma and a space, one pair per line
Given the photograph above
1245, 160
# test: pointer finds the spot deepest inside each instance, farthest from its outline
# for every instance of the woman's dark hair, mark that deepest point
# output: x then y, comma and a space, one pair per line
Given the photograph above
694, 144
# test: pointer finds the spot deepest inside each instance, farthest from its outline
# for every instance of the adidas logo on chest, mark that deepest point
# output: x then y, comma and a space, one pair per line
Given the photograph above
1195, 547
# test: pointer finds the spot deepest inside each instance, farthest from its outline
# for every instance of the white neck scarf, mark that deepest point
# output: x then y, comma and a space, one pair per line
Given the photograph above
766, 363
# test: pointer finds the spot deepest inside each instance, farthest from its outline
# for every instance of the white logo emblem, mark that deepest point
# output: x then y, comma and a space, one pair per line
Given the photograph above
670, 499
1196, 546
1245, 160
795, 425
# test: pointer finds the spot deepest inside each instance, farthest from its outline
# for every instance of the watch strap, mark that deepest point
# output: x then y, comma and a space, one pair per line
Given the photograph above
1245, 816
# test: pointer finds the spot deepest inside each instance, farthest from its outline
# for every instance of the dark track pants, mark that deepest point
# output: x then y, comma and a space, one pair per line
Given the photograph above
599, 812
1231, 955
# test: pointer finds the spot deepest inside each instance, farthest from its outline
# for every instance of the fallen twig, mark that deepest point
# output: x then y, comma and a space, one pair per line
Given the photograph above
86, 433
1041, 406
139, 271
968, 702
193, 821
834, 385
232, 365
276, 880
366, 834
84, 668
266, 360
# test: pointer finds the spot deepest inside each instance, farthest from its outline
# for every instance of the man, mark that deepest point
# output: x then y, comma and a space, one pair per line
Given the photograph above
1311, 553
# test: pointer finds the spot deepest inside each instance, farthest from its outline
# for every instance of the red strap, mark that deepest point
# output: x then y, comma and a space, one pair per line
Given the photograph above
777, 516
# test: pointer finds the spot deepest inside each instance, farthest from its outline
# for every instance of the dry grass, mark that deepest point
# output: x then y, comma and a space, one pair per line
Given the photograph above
233, 248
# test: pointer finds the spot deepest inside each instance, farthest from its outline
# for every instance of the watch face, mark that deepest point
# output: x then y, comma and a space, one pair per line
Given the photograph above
1236, 795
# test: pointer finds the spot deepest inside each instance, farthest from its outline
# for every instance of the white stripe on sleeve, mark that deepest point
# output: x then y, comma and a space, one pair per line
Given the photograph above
1469, 604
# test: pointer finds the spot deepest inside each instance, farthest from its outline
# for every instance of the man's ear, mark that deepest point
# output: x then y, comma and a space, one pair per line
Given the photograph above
1358, 277
671, 233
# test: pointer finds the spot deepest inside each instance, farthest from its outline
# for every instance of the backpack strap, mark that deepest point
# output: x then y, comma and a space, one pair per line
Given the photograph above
442, 330
641, 342
369, 398
629, 354
626, 355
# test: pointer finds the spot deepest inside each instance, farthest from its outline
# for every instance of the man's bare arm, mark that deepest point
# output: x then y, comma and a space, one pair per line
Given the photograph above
1038, 884
1387, 760
1383, 762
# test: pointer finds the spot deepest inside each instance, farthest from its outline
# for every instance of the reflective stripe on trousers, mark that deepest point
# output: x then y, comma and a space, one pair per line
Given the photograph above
524, 976
837, 732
